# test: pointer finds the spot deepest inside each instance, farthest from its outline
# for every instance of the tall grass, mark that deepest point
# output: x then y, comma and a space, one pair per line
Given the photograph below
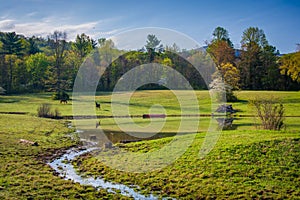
44, 110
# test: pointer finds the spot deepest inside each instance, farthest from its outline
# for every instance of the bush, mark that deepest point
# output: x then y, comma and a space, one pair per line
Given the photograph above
45, 111
270, 113
60, 95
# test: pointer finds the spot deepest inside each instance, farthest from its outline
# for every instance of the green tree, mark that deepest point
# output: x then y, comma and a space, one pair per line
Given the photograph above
12, 47
83, 45
32, 46
58, 44
152, 46
14, 63
173, 48
203, 62
271, 78
71, 65
221, 34
253, 36
257, 59
101, 42
37, 66
11, 43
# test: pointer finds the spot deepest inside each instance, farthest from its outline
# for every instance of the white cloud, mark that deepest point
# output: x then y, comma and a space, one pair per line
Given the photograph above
48, 25
7, 25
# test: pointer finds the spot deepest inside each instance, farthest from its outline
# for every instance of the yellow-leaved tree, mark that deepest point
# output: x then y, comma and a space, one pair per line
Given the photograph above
231, 75
290, 65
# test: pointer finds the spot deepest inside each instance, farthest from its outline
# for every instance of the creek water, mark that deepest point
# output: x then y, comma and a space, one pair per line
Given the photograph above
63, 166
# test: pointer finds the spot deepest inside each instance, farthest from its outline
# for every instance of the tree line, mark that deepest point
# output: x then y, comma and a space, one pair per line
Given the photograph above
35, 64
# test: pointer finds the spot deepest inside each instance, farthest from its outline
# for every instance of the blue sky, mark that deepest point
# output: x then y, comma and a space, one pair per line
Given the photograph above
280, 19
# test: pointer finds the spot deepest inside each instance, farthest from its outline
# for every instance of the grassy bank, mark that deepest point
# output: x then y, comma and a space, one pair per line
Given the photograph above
247, 165
23, 172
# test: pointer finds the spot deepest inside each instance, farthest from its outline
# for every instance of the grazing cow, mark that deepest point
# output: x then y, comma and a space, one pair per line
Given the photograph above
97, 105
65, 101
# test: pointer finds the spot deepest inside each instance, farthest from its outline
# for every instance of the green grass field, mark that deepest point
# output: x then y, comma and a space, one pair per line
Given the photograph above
141, 102
23, 171
245, 163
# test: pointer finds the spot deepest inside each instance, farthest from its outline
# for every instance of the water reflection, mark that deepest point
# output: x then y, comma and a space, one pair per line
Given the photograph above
107, 130
118, 136
226, 123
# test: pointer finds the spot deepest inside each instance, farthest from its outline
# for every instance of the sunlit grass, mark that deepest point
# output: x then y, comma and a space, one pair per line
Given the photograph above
142, 101
252, 164
23, 173
245, 163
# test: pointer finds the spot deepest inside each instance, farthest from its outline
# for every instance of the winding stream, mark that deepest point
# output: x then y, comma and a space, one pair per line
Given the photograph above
65, 169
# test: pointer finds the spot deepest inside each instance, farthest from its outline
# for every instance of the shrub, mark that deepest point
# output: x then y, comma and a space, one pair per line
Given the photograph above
56, 114
44, 110
270, 113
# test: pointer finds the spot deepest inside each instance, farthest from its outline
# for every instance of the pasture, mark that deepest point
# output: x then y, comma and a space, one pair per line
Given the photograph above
23, 170
141, 101
245, 163
144, 102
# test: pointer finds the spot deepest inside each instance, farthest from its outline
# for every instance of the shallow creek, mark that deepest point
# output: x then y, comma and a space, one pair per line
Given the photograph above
63, 166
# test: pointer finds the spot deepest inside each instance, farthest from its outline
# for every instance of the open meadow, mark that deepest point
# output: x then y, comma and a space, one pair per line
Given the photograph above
246, 162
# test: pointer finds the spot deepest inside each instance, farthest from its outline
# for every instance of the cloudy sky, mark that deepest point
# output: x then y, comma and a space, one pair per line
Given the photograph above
280, 19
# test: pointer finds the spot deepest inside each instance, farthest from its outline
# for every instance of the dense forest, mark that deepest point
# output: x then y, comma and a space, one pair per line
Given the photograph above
37, 64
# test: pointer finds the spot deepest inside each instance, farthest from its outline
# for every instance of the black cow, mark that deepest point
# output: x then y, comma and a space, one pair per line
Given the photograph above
97, 105
65, 101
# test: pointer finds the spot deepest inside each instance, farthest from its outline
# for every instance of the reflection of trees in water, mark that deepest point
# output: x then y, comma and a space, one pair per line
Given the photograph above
104, 136
226, 123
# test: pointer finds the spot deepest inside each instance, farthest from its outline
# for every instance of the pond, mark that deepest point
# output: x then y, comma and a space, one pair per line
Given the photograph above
125, 131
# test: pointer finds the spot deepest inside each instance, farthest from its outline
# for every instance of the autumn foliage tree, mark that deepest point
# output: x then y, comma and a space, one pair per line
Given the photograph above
290, 65
221, 48
222, 52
